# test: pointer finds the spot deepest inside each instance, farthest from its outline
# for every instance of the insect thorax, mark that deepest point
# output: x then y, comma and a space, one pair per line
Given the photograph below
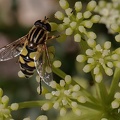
37, 35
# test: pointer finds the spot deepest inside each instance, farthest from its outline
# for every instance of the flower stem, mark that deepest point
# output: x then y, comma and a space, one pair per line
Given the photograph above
91, 105
30, 104
102, 92
59, 72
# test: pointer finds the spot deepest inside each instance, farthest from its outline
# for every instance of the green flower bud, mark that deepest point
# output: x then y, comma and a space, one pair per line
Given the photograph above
98, 77
78, 6
95, 19
63, 111
117, 38
77, 38
87, 14
91, 43
115, 27
91, 5
115, 104
54, 26
87, 68
108, 71
79, 16
91, 35
14, 106
68, 31
57, 63
81, 58
107, 45
68, 11
117, 95
59, 15
68, 79
81, 99
64, 4
42, 117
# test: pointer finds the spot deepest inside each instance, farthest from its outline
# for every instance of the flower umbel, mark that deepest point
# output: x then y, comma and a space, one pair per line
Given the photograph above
5, 112
75, 20
110, 14
99, 58
65, 96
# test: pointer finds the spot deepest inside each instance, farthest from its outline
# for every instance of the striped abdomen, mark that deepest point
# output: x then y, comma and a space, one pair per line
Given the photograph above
26, 61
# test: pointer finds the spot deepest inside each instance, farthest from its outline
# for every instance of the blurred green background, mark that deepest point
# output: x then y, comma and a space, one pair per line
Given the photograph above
16, 19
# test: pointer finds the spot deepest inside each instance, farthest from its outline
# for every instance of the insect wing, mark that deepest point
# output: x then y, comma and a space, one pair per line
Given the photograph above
43, 65
12, 50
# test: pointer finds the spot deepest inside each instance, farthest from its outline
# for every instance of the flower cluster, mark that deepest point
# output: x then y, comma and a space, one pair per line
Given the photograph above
5, 110
110, 14
65, 96
100, 58
77, 23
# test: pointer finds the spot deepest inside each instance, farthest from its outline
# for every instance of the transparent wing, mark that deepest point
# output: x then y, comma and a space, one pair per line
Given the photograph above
43, 65
12, 50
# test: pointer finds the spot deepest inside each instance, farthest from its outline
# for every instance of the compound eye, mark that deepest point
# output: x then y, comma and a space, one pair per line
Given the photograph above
47, 27
38, 23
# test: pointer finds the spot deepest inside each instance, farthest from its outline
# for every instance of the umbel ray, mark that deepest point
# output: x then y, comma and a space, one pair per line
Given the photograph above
32, 51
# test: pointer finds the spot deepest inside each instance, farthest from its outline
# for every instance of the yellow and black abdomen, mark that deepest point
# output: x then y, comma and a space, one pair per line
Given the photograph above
26, 61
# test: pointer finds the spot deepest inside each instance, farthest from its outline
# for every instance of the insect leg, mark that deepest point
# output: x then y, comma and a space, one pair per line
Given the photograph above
53, 37
40, 85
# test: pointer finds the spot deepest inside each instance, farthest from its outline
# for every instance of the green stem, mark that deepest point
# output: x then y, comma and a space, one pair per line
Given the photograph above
92, 98
91, 105
114, 84
30, 104
59, 72
83, 46
102, 92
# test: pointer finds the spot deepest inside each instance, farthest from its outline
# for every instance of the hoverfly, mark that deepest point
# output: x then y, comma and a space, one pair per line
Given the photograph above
32, 51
